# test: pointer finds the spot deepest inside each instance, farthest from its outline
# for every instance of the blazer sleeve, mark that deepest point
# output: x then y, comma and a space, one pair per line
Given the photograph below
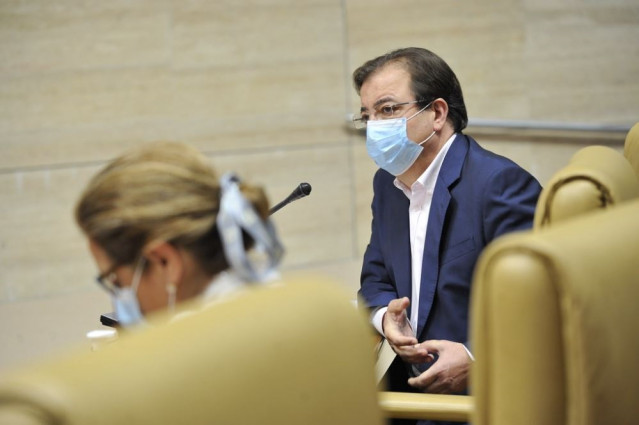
509, 204
377, 285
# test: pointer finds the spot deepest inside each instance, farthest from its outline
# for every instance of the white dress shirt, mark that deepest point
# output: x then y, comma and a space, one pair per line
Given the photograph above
420, 195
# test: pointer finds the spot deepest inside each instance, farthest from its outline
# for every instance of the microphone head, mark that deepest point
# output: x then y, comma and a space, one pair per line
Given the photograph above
300, 191
304, 189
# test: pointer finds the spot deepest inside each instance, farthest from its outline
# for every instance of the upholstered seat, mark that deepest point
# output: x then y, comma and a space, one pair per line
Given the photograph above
596, 177
554, 325
288, 354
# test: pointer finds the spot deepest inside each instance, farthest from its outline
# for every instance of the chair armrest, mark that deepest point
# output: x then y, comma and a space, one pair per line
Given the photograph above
16, 414
441, 407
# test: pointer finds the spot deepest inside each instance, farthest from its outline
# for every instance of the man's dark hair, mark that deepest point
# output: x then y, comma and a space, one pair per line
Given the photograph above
431, 78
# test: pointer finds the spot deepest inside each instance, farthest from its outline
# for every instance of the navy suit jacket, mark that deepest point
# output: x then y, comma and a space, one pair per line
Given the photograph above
478, 196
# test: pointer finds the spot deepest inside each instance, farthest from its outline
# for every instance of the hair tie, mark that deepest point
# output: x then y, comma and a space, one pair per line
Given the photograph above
237, 214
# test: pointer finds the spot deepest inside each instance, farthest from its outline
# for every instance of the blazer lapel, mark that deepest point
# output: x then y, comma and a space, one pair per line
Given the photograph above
449, 174
399, 242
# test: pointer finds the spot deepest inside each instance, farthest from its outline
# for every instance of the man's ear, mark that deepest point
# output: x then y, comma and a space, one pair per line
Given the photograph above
166, 261
440, 107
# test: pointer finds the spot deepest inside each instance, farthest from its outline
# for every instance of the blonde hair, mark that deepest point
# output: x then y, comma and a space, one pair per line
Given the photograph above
158, 192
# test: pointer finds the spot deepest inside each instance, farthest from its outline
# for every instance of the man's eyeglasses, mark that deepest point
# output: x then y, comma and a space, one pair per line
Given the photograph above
385, 111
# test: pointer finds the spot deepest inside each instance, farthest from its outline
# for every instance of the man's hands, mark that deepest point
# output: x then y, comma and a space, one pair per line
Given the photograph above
449, 374
399, 334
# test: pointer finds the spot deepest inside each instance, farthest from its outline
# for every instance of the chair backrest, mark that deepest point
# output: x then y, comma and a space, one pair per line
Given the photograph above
554, 323
596, 177
631, 148
286, 354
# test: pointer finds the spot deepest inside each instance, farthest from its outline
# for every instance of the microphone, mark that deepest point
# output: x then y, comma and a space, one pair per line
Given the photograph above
304, 189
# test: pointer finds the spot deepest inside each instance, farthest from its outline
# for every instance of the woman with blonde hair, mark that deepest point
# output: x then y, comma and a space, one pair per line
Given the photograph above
163, 228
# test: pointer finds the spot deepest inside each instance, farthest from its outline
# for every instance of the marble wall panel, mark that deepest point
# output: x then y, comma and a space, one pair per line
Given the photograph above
255, 33
582, 64
34, 329
41, 251
365, 170
81, 80
42, 36
89, 116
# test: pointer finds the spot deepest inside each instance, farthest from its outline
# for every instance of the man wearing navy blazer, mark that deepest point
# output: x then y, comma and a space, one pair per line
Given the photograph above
439, 199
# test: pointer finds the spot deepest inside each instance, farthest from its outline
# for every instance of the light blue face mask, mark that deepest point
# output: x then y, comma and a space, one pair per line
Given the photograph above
125, 300
389, 146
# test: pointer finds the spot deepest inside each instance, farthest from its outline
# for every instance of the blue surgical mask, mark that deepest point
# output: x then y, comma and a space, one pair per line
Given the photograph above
125, 300
389, 146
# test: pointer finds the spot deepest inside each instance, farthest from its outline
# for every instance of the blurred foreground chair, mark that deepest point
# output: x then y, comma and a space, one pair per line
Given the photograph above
596, 177
631, 148
554, 325
288, 354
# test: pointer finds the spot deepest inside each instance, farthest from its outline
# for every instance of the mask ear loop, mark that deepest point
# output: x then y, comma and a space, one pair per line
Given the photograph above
137, 275
126, 302
237, 214
419, 112
428, 138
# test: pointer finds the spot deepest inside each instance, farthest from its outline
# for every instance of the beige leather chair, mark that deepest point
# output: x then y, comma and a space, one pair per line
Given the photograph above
631, 148
554, 325
298, 353
596, 177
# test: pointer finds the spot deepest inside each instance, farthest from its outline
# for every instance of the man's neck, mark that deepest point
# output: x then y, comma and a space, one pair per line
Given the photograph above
431, 149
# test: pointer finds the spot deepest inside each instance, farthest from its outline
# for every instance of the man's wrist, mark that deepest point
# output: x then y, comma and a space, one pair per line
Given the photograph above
377, 319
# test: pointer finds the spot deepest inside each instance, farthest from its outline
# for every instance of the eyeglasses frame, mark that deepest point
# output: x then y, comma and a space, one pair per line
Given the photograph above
360, 123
